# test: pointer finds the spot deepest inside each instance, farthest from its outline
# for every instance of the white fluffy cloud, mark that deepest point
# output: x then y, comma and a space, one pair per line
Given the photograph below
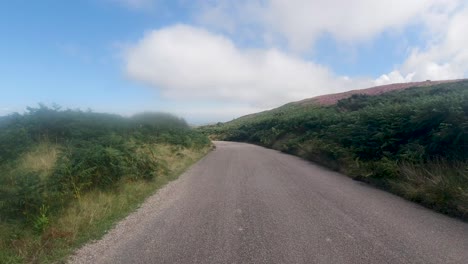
393, 77
446, 57
302, 22
188, 62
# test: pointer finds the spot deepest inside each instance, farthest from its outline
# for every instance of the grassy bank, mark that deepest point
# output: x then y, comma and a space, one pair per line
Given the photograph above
75, 174
412, 142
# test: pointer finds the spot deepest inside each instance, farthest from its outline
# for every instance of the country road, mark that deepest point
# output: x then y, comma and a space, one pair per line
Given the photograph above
247, 204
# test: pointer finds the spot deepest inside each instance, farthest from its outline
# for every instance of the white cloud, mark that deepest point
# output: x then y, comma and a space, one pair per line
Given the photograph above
186, 62
302, 22
446, 56
442, 53
393, 77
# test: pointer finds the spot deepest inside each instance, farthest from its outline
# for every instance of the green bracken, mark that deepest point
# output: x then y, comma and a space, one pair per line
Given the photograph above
67, 175
413, 142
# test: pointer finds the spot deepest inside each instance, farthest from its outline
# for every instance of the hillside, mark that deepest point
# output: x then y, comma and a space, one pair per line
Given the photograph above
331, 99
411, 141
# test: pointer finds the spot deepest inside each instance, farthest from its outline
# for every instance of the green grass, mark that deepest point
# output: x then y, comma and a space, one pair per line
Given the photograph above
88, 216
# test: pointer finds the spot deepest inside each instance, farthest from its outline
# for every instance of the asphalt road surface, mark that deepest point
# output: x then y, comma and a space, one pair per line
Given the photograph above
247, 204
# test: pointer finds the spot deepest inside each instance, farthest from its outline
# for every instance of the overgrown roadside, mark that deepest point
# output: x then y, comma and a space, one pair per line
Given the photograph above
75, 174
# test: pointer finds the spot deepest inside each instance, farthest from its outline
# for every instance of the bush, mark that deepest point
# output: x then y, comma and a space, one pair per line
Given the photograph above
23, 197
89, 166
145, 165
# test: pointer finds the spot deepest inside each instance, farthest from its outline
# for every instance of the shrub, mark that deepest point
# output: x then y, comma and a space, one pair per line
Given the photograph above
145, 165
23, 197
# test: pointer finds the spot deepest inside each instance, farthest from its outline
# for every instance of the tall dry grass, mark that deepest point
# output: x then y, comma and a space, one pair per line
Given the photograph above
438, 184
40, 159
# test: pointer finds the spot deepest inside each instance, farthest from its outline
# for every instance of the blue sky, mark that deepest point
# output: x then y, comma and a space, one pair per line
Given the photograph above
212, 61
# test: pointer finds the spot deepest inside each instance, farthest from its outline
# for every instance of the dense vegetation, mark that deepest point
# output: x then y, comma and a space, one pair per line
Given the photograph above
52, 160
412, 142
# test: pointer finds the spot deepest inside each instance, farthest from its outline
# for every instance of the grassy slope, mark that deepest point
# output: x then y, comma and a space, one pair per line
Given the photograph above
43, 232
411, 142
